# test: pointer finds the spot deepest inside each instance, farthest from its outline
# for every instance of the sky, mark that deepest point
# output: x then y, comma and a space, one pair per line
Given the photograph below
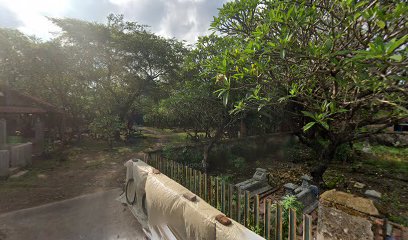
182, 19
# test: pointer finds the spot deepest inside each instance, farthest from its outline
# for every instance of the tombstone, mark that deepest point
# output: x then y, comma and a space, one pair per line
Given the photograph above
306, 181
4, 163
3, 133
258, 184
290, 188
306, 193
261, 174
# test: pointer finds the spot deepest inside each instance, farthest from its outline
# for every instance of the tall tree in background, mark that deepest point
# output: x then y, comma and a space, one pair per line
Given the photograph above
128, 63
341, 65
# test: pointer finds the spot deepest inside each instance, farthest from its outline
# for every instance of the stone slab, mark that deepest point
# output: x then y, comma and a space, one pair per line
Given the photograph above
20, 154
362, 205
334, 224
372, 194
19, 174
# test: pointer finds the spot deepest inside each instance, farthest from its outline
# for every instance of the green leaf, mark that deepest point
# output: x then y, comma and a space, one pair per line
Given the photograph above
283, 54
309, 114
325, 125
396, 57
381, 24
308, 126
394, 44
225, 98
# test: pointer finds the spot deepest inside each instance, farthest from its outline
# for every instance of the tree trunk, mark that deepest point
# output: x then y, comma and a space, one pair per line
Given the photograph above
207, 148
242, 129
325, 158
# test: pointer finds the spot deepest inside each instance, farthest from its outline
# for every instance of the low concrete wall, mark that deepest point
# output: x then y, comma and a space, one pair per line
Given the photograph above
4, 163
20, 154
167, 210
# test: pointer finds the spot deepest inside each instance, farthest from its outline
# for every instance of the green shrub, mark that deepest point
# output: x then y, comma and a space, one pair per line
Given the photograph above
184, 155
239, 163
343, 153
290, 202
333, 179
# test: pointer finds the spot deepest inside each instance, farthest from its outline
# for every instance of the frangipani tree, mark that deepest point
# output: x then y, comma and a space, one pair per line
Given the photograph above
339, 66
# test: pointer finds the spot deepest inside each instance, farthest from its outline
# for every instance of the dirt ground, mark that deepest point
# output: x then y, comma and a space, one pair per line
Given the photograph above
87, 168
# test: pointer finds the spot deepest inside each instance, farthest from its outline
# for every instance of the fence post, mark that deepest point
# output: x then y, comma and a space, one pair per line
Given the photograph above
211, 194
267, 218
173, 170
223, 195
190, 174
230, 199
256, 211
278, 222
239, 205
307, 227
195, 180
292, 224
206, 188
178, 173
217, 192
246, 209
200, 188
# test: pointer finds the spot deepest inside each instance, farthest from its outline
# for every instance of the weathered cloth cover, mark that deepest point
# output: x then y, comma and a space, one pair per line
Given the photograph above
170, 215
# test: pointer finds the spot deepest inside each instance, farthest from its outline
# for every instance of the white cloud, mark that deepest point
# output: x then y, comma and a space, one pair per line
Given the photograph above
182, 19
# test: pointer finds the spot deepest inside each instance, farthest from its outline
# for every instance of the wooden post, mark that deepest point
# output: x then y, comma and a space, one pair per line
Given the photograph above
195, 181
206, 188
200, 190
191, 179
230, 199
217, 193
246, 209
307, 227
292, 224
278, 222
211, 194
223, 196
239, 205
187, 179
256, 211
267, 218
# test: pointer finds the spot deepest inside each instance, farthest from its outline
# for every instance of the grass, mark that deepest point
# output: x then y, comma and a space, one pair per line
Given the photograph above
385, 158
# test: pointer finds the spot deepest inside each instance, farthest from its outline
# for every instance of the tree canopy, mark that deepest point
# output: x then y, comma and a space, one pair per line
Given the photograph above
339, 66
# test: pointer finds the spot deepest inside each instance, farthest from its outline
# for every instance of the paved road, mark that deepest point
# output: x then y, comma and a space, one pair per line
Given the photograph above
95, 216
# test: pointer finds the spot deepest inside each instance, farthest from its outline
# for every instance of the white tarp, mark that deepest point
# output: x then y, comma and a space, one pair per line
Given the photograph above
170, 215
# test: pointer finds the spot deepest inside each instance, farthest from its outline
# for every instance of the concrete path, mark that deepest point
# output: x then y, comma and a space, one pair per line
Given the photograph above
95, 216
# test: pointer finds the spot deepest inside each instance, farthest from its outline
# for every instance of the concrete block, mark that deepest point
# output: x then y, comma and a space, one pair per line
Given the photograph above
20, 154
334, 224
4, 163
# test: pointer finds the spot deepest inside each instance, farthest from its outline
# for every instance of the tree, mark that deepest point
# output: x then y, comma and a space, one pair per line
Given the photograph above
339, 66
126, 63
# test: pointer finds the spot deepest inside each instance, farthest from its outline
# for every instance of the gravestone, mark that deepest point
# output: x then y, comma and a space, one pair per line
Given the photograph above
306, 193
4, 163
258, 184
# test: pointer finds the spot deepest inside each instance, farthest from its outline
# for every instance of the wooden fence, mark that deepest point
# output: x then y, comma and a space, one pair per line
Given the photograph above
274, 223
